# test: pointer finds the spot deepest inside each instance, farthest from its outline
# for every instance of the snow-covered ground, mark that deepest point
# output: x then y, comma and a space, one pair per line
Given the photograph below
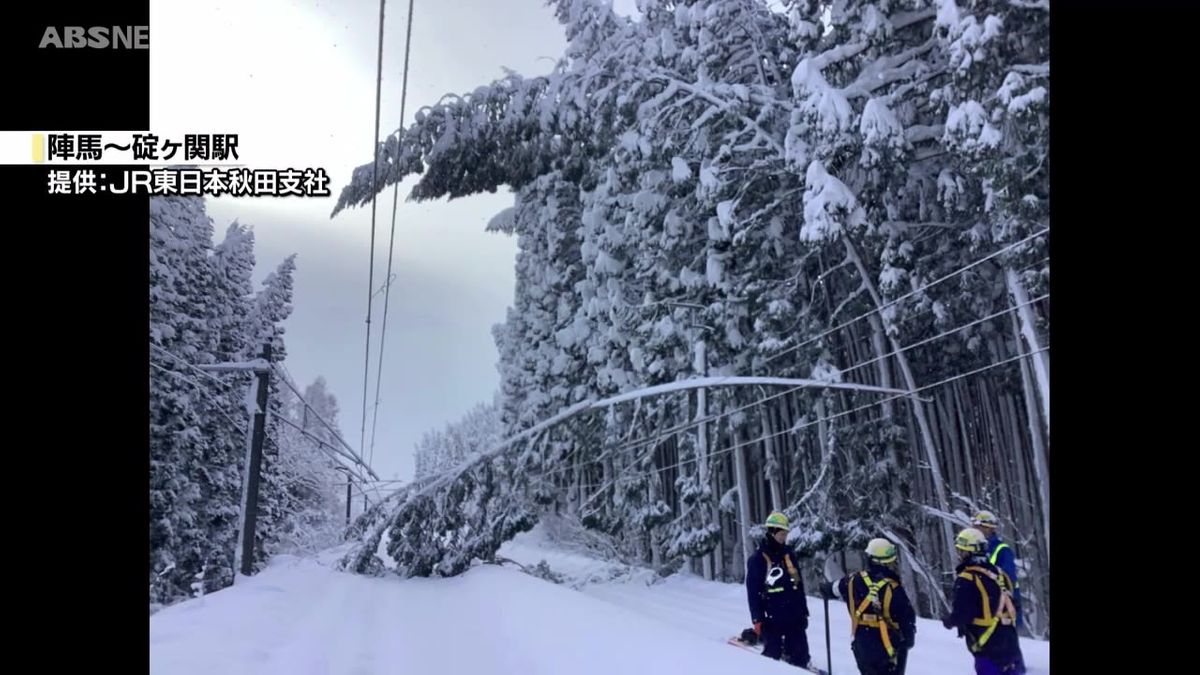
301, 617
713, 611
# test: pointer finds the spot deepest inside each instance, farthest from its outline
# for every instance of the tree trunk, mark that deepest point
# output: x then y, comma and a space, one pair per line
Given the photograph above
879, 344
1041, 360
955, 473
963, 416
701, 368
654, 487
822, 434
1040, 465
910, 382
723, 481
743, 488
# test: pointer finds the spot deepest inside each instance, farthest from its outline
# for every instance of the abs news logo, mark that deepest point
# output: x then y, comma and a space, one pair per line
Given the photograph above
96, 37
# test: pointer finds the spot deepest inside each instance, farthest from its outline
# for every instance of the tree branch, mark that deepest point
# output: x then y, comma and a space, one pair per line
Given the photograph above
722, 105
832, 56
886, 70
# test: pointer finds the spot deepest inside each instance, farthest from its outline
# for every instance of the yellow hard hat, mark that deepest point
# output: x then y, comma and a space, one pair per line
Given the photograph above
985, 519
777, 519
971, 540
881, 550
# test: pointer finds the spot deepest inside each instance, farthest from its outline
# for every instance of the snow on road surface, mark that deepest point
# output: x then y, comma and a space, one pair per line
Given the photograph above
301, 617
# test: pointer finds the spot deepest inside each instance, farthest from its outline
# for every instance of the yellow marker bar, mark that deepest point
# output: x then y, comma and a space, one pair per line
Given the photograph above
38, 148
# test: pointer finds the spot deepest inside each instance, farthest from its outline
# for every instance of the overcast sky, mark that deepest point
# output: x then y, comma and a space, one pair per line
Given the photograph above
295, 79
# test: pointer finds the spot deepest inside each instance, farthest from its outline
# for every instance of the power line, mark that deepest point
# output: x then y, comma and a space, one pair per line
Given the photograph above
659, 435
203, 390
798, 427
334, 465
920, 313
321, 443
286, 380
387, 295
594, 405
976, 322
684, 426
911, 293
431, 480
180, 375
792, 429
958, 271
374, 182
185, 362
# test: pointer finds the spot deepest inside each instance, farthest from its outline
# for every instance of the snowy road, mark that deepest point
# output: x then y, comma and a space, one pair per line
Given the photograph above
300, 617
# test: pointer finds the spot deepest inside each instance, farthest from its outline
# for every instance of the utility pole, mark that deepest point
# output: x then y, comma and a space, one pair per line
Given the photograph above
349, 484
244, 553
254, 465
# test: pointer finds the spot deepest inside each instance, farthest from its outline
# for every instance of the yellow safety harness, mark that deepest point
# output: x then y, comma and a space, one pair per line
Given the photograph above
1006, 612
881, 615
